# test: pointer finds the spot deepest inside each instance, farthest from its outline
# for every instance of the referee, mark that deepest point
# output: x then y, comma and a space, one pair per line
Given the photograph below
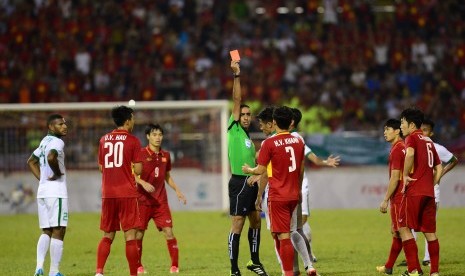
241, 195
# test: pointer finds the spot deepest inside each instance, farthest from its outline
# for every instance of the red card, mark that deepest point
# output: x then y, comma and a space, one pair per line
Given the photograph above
235, 55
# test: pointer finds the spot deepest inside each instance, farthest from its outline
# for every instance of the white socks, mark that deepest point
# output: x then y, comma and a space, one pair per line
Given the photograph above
42, 247
300, 243
56, 251
426, 258
307, 231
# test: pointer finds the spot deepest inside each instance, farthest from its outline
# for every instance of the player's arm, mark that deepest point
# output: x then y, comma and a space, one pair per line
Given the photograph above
408, 165
52, 159
137, 170
259, 169
255, 178
137, 167
173, 185
262, 182
438, 173
34, 165
393, 182
301, 178
144, 184
450, 165
236, 93
331, 161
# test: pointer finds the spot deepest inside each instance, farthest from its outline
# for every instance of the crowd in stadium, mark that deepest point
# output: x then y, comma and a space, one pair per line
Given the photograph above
347, 64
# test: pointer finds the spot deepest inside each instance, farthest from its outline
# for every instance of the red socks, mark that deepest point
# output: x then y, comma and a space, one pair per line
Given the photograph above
139, 250
433, 249
286, 252
396, 247
132, 255
174, 252
411, 255
103, 250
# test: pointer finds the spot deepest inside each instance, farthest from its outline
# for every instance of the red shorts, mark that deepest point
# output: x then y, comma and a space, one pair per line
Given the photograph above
395, 210
119, 213
160, 214
418, 213
283, 216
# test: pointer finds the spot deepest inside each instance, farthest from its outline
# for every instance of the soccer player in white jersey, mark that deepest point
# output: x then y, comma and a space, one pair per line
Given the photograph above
448, 160
331, 161
47, 164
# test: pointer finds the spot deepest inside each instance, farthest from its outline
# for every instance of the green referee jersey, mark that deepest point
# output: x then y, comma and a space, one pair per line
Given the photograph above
241, 149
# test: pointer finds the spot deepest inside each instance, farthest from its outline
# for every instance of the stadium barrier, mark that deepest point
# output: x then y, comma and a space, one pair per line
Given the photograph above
340, 188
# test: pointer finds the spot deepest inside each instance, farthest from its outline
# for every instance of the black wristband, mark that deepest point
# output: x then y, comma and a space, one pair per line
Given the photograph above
236, 75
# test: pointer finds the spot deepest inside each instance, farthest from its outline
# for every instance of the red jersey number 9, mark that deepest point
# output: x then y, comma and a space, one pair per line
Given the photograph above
114, 156
156, 172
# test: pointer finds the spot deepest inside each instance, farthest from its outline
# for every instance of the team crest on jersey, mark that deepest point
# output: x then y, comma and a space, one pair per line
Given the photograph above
248, 143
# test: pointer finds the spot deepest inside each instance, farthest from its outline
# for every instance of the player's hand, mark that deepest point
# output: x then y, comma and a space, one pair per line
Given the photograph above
235, 67
258, 203
181, 197
333, 161
253, 179
383, 207
55, 177
407, 180
147, 187
246, 168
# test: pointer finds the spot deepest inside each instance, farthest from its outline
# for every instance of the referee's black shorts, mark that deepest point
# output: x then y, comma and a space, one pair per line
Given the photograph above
241, 196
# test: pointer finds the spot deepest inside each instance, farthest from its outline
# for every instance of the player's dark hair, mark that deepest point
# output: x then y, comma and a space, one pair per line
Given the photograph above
413, 115
121, 114
266, 115
393, 123
297, 116
428, 122
53, 117
283, 116
152, 127
244, 105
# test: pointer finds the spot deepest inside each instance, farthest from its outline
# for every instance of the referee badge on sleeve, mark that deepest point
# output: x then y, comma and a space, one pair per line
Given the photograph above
248, 143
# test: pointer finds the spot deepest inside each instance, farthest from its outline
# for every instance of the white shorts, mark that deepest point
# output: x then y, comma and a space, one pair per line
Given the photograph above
437, 193
265, 208
305, 197
53, 212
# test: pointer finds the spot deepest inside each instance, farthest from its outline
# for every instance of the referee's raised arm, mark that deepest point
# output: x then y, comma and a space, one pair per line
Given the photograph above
237, 94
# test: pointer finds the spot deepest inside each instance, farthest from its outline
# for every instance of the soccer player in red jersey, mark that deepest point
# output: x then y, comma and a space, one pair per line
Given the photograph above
153, 200
282, 156
393, 195
118, 158
422, 170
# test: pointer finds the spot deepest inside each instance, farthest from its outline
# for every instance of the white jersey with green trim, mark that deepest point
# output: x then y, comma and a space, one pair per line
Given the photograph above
445, 156
51, 188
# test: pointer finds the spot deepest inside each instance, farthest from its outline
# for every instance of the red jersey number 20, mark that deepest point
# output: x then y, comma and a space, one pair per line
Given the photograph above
293, 166
114, 156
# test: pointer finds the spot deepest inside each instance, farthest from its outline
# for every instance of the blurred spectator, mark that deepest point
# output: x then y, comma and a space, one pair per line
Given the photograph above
351, 63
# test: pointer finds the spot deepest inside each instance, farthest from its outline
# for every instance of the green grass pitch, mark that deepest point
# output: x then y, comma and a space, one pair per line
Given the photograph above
346, 242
